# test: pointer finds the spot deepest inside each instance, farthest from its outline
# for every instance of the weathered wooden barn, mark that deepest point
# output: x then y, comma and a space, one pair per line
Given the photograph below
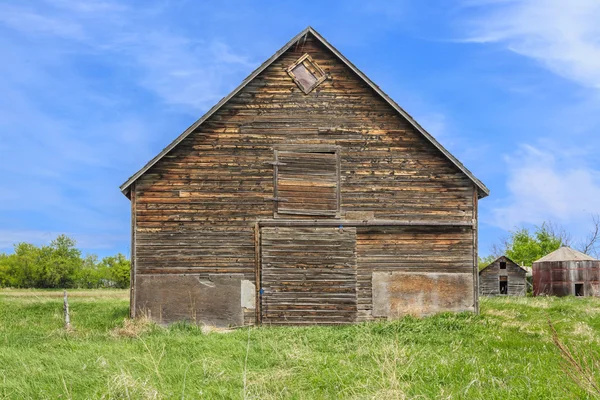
566, 272
503, 277
306, 195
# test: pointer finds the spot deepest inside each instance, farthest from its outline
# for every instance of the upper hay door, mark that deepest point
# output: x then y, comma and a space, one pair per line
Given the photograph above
307, 182
306, 73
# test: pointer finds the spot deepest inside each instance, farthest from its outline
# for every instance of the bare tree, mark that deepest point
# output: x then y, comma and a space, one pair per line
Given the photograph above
558, 231
591, 243
498, 250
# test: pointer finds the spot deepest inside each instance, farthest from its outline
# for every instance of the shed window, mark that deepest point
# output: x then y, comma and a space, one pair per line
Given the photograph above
502, 265
503, 285
307, 182
306, 73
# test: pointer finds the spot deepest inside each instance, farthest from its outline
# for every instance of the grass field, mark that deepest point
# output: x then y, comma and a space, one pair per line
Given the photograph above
505, 353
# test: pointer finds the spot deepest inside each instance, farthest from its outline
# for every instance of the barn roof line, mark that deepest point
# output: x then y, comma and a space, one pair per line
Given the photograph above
565, 253
483, 190
490, 264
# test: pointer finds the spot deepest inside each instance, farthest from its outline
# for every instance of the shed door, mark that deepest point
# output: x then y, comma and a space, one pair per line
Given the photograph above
308, 275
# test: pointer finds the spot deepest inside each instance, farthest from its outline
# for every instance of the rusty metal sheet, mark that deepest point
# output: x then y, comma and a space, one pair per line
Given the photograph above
396, 294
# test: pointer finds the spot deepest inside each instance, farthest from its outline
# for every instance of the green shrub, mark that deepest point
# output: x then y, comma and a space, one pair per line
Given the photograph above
61, 265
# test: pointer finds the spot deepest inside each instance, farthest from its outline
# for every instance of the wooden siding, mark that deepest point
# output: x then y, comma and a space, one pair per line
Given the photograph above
308, 275
489, 279
195, 209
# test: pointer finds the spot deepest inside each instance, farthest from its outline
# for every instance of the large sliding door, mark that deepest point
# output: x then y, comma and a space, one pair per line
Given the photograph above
308, 275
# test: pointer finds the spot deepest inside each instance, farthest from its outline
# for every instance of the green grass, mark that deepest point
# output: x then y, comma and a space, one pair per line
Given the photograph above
506, 352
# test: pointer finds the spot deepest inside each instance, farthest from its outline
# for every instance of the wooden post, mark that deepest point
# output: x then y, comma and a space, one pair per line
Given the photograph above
257, 307
133, 199
475, 251
66, 310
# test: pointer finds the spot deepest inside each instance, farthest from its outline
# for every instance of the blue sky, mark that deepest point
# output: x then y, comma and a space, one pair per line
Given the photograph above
92, 90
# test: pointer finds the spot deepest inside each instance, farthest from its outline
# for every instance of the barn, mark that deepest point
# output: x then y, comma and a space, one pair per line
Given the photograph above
566, 272
305, 196
503, 277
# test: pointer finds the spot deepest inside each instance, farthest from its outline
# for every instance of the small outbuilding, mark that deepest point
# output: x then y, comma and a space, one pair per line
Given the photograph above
503, 277
566, 272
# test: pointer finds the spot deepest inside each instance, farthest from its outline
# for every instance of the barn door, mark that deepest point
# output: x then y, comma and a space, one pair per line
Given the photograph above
307, 182
308, 275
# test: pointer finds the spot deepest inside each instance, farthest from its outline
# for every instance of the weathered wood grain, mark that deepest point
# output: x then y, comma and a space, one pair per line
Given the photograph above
308, 274
275, 155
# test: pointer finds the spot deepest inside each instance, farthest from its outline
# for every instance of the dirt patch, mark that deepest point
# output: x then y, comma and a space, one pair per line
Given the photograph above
510, 314
213, 329
133, 327
125, 386
584, 331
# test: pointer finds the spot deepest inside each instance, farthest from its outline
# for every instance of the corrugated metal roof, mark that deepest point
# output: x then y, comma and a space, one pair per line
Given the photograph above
565, 254
483, 190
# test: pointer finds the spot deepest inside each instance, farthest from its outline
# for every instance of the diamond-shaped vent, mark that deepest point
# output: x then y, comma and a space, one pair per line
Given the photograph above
306, 73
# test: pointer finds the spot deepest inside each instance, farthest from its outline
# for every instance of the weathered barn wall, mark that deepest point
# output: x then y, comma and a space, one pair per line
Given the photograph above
195, 209
558, 278
489, 278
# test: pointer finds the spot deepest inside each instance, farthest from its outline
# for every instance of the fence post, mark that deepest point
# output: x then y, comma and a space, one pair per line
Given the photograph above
66, 310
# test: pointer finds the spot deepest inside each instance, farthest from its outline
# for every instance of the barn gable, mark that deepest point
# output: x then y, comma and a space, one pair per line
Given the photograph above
482, 190
310, 189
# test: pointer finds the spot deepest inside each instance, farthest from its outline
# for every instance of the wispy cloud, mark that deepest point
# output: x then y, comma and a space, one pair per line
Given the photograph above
18, 18
180, 70
553, 175
82, 83
185, 72
547, 185
564, 37
91, 90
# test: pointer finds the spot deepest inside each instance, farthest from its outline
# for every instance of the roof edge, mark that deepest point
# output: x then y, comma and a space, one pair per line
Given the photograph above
586, 257
483, 191
490, 264
125, 186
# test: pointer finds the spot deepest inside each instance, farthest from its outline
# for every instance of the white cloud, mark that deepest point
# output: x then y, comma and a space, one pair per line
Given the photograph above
185, 72
180, 69
563, 36
558, 178
545, 187
39, 24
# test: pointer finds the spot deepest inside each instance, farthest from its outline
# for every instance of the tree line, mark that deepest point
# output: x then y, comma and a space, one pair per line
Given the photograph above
524, 246
61, 265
